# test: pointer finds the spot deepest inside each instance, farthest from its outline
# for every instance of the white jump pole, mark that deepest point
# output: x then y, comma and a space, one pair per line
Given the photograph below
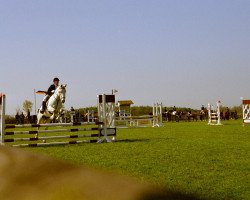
154, 118
160, 113
218, 113
209, 114
88, 116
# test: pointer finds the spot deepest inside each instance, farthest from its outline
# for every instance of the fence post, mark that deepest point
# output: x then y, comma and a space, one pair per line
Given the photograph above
103, 116
2, 125
218, 113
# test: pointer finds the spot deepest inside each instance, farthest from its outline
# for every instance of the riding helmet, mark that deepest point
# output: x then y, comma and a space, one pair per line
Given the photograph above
56, 79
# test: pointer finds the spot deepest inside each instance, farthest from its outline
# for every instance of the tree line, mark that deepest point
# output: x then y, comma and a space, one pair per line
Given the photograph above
81, 112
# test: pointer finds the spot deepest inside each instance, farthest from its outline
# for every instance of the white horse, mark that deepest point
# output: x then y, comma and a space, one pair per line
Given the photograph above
54, 106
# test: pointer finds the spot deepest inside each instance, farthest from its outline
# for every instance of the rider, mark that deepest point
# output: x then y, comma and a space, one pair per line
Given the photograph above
50, 91
203, 108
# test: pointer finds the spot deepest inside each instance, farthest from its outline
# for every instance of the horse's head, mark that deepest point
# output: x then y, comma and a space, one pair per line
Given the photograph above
61, 92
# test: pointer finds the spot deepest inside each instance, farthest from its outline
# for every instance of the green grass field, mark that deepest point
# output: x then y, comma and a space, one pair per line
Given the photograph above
210, 162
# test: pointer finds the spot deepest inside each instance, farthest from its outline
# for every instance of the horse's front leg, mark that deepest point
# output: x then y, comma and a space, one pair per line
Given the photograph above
39, 119
52, 117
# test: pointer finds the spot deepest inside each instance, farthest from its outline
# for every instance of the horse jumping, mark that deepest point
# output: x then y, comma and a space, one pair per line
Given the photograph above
54, 106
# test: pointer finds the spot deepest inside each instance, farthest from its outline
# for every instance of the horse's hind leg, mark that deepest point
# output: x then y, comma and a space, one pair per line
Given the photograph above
46, 128
39, 118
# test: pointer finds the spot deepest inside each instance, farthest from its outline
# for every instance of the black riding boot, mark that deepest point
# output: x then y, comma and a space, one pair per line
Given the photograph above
43, 107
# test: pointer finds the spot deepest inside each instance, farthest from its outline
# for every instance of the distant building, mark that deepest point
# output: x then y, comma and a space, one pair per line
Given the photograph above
124, 107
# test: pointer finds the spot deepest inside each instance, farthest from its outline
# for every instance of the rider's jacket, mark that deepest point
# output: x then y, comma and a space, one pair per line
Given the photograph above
51, 89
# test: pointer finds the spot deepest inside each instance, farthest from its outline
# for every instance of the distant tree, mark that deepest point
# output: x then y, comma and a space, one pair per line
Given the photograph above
237, 109
18, 110
27, 106
141, 110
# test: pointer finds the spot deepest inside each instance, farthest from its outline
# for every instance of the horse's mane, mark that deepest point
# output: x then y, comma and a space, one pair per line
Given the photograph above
60, 87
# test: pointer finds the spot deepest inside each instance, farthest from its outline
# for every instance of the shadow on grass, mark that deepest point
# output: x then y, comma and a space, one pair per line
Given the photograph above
134, 140
168, 195
144, 140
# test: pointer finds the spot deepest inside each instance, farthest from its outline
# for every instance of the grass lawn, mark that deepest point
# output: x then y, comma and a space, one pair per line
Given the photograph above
211, 162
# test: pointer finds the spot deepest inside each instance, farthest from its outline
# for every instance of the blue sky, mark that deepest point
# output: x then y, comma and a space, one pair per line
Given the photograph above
182, 53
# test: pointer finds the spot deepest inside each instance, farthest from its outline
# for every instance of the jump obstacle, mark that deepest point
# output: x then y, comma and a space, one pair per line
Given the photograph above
246, 111
157, 115
103, 130
154, 120
214, 114
90, 116
106, 113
